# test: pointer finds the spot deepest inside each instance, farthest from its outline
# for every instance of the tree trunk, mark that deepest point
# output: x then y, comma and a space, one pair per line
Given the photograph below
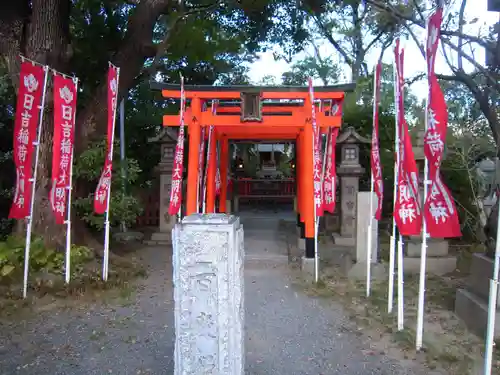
42, 34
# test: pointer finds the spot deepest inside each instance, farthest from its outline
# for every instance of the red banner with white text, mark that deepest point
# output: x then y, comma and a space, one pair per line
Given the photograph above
103, 188
29, 98
330, 180
376, 166
178, 167
201, 160
407, 211
441, 215
65, 94
316, 146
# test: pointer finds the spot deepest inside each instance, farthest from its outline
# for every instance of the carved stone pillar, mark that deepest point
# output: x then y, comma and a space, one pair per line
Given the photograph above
208, 293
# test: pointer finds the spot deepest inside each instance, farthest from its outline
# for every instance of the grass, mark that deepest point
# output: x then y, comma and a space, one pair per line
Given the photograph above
84, 285
447, 343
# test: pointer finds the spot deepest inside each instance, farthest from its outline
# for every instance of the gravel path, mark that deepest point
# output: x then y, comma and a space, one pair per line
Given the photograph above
287, 332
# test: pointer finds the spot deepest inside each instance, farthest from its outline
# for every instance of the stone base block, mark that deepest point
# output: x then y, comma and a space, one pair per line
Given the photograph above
435, 266
301, 244
127, 237
159, 238
358, 271
343, 241
435, 248
307, 268
474, 312
478, 281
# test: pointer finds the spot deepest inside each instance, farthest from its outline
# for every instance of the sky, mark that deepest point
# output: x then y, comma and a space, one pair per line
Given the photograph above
414, 61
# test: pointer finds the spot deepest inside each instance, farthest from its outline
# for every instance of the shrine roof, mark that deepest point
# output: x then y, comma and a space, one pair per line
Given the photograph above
345, 87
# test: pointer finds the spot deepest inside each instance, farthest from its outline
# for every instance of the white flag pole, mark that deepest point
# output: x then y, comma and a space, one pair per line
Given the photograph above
400, 284
423, 250
370, 222
393, 239
105, 265
29, 225
369, 241
400, 247
67, 268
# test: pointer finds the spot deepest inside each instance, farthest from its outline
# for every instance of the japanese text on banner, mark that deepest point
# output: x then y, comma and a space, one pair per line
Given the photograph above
62, 150
178, 167
104, 185
317, 167
29, 99
407, 212
376, 166
330, 180
440, 212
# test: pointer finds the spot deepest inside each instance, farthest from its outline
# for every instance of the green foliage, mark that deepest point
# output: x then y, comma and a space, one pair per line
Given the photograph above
123, 207
324, 69
41, 257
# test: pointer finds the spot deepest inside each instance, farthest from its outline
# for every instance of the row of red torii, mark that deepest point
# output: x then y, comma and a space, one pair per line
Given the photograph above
253, 114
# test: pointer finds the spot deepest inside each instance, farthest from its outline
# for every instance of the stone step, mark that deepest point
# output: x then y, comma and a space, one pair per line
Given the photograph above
474, 312
436, 266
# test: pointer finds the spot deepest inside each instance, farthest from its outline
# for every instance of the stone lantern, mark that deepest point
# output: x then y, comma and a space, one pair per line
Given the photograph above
349, 172
167, 140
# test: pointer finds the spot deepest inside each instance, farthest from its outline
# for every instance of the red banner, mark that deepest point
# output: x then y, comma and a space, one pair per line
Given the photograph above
317, 168
201, 159
407, 212
376, 167
178, 167
101, 199
441, 215
217, 182
330, 180
65, 92
29, 98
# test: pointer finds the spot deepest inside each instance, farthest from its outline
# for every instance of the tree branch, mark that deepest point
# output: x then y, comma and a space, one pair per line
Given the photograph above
397, 14
375, 40
326, 33
460, 38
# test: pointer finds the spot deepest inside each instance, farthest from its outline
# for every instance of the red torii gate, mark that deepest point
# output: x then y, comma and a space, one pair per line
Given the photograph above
256, 113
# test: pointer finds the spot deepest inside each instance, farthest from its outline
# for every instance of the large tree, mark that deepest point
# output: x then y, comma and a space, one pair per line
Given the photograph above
137, 36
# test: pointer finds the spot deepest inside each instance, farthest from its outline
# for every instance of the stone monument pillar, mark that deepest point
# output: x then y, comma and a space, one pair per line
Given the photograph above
208, 293
359, 269
167, 139
349, 172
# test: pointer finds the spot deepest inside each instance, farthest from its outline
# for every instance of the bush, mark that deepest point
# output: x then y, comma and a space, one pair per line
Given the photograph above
41, 258
123, 207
